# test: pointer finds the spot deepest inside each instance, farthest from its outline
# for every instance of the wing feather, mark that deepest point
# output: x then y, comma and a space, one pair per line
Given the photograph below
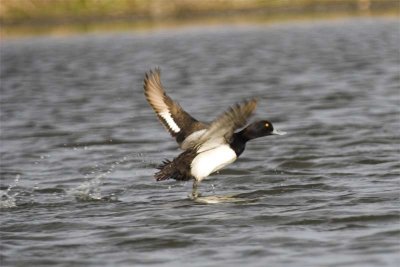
223, 127
176, 120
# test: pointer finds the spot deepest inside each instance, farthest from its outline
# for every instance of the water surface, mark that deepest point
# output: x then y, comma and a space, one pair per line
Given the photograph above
79, 146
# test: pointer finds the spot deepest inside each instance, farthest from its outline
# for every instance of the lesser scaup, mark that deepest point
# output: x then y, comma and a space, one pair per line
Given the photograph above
207, 147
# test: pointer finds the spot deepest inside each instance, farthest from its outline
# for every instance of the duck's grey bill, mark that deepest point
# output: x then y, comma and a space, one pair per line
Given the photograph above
277, 132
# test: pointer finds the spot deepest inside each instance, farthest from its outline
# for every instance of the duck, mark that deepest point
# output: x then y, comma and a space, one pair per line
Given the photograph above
207, 147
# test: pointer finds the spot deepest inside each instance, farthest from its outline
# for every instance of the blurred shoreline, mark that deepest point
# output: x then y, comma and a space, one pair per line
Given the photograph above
67, 17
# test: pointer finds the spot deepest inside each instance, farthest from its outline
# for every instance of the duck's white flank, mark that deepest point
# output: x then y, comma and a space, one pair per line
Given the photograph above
211, 161
170, 121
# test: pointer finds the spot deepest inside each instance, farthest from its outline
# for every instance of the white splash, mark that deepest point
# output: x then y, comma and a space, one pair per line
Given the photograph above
91, 189
8, 200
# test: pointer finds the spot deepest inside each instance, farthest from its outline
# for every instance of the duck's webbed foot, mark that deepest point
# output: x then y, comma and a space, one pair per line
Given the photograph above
195, 193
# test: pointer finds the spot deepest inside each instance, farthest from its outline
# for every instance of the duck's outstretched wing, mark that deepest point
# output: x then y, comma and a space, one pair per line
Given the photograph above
177, 121
223, 127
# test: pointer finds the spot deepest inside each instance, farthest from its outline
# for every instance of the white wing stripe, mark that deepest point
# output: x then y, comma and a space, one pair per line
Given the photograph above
170, 121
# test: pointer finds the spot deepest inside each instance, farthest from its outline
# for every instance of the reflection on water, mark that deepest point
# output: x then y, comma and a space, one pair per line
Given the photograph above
76, 129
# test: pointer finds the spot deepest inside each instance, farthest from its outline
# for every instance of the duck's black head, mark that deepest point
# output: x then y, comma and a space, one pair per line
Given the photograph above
259, 129
252, 131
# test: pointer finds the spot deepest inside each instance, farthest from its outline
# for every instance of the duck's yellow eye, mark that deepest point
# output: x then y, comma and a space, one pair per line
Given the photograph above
267, 125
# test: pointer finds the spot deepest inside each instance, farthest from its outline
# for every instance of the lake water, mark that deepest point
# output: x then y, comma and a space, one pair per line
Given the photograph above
79, 146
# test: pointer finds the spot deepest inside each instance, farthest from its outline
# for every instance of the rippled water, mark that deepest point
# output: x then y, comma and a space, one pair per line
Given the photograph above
79, 146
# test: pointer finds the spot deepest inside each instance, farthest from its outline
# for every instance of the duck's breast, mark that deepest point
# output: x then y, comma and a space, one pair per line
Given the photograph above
211, 161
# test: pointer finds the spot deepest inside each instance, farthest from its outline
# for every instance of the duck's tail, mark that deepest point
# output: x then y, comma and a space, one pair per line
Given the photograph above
166, 171
178, 168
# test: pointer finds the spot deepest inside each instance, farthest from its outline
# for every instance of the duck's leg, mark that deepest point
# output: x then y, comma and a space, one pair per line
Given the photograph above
195, 194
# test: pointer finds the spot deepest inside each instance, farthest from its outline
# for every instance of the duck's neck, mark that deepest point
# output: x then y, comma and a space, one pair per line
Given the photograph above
238, 143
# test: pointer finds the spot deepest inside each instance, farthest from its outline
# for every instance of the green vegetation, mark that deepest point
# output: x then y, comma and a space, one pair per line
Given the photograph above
86, 15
